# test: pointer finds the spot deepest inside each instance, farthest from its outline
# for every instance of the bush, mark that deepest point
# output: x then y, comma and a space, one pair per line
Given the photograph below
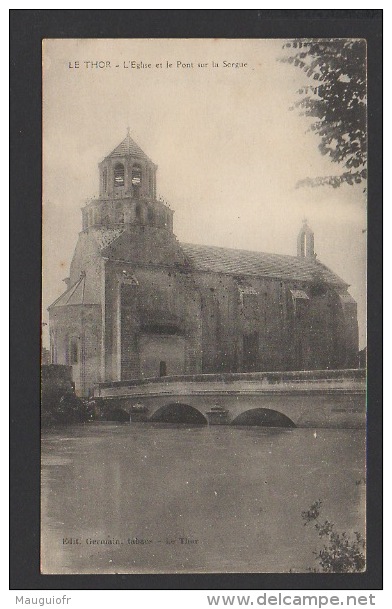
340, 554
68, 409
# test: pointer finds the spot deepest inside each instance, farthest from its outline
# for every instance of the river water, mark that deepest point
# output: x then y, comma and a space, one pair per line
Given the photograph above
201, 499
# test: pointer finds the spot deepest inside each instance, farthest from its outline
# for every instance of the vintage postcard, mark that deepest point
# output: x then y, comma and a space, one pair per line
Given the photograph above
204, 306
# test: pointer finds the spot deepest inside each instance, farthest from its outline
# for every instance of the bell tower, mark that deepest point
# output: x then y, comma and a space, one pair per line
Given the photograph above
127, 191
305, 242
127, 171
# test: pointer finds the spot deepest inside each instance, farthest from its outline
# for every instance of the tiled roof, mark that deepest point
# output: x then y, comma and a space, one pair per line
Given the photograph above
347, 299
73, 295
128, 147
105, 236
259, 264
76, 294
219, 260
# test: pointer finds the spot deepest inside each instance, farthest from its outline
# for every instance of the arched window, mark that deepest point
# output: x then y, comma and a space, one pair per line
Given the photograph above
138, 212
73, 351
136, 180
136, 175
150, 214
119, 174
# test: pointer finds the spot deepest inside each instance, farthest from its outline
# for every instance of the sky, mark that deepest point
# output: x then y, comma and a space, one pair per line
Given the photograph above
228, 148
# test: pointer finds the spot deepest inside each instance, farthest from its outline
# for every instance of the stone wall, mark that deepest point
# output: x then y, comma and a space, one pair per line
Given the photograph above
75, 333
160, 303
251, 324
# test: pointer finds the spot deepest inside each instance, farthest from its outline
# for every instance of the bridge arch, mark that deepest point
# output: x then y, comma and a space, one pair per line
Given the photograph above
117, 414
178, 413
263, 417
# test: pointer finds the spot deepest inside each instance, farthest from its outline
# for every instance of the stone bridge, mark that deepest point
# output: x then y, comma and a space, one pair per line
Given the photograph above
330, 398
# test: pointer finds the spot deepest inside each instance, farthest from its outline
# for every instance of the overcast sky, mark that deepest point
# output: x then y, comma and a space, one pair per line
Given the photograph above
228, 149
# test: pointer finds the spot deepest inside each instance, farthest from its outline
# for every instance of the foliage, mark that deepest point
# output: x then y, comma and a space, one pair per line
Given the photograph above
67, 409
336, 102
340, 554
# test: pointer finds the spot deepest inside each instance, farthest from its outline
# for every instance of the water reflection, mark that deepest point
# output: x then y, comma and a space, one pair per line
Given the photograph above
235, 493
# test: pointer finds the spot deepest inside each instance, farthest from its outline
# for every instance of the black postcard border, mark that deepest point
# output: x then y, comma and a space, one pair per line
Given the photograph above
27, 29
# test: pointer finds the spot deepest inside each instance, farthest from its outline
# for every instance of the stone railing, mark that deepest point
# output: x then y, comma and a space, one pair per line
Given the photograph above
271, 378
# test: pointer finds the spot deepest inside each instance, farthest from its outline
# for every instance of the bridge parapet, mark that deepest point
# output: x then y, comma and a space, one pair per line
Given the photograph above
256, 382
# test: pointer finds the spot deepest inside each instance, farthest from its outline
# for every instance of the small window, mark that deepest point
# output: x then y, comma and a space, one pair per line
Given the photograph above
74, 351
299, 295
249, 297
119, 175
162, 369
150, 214
138, 212
250, 300
105, 180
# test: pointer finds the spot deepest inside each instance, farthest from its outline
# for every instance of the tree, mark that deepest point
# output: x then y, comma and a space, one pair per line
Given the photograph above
336, 101
340, 554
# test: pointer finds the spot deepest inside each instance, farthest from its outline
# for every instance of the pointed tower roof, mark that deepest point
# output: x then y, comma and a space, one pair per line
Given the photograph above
128, 147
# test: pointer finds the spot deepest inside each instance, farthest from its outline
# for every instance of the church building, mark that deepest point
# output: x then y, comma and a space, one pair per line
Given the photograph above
140, 304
